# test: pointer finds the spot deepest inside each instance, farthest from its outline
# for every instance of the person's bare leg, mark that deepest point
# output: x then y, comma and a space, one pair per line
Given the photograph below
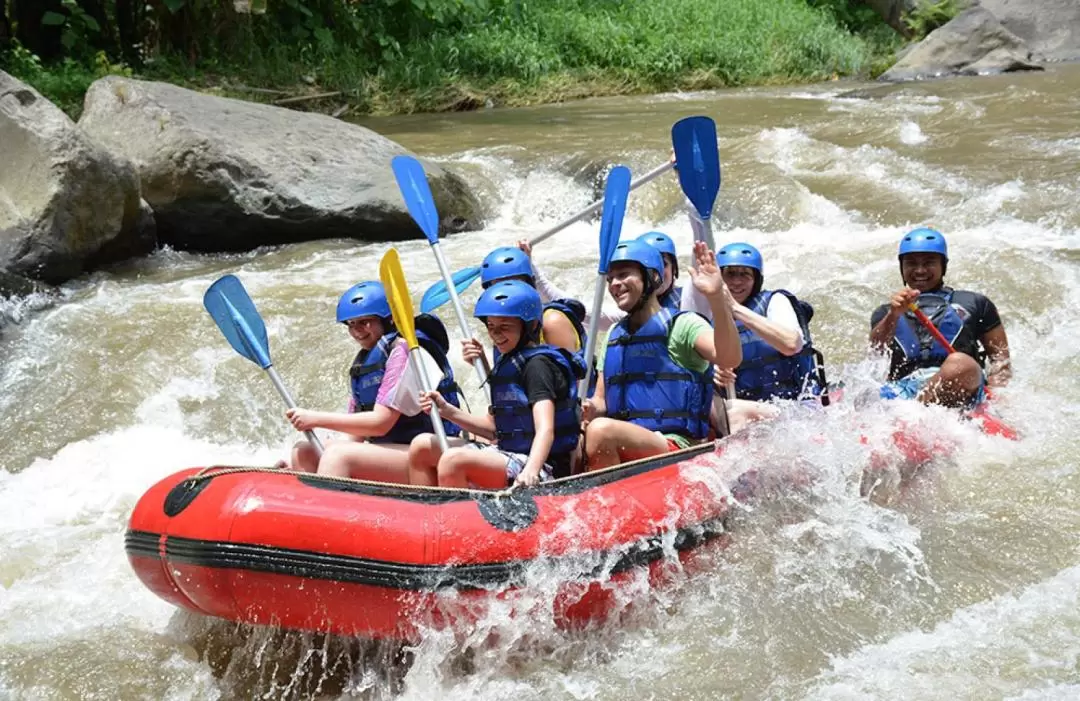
610, 442
459, 467
743, 412
304, 457
380, 462
424, 454
955, 383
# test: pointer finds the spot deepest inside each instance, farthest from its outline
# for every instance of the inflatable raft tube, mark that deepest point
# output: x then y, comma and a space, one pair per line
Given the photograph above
304, 552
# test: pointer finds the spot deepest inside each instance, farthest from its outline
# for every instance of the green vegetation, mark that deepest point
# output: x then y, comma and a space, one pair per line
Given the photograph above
928, 16
432, 55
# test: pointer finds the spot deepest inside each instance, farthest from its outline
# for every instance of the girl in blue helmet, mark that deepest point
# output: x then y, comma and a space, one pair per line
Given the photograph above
563, 318
655, 394
534, 418
384, 414
779, 361
920, 368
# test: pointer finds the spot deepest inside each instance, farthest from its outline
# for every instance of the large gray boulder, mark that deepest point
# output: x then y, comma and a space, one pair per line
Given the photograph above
66, 204
226, 175
1050, 27
972, 43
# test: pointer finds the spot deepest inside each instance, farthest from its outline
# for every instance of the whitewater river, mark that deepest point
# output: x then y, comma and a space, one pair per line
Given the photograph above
965, 587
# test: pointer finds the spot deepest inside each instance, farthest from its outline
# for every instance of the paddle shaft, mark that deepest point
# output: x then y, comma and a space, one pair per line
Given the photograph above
290, 404
925, 321
594, 330
463, 323
938, 336
425, 382
703, 231
599, 204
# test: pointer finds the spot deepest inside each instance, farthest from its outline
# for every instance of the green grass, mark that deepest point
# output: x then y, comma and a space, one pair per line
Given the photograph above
518, 53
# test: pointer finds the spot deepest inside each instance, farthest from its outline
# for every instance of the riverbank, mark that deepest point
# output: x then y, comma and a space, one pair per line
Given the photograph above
498, 54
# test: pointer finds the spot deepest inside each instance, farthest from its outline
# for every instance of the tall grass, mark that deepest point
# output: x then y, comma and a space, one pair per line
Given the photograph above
516, 52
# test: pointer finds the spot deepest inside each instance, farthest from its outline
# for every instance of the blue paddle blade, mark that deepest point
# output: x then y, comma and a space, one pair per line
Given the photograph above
438, 294
235, 314
412, 181
616, 191
697, 159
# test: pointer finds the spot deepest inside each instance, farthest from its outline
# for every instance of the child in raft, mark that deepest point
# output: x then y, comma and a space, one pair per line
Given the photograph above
535, 417
384, 412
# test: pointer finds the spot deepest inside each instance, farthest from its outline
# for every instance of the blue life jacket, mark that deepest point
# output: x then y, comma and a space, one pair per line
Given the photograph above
645, 386
919, 348
514, 429
366, 375
671, 299
765, 373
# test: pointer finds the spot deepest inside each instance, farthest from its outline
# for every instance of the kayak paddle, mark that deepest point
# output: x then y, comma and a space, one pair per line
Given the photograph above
615, 193
393, 280
436, 296
698, 158
416, 191
234, 313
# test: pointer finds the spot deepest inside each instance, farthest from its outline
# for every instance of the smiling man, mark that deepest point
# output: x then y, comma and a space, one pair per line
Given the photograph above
920, 367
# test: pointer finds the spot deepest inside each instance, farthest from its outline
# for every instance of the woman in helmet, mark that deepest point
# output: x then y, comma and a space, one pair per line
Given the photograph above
669, 295
655, 394
384, 414
779, 361
534, 417
920, 367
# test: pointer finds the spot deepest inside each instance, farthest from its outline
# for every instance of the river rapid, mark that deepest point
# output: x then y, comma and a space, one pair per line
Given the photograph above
966, 586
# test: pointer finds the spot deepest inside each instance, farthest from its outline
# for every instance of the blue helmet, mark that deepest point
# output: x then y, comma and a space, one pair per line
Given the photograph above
742, 254
637, 251
363, 299
663, 243
510, 298
503, 263
924, 240
660, 241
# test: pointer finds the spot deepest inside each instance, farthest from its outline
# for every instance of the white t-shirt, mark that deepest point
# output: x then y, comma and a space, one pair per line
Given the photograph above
781, 313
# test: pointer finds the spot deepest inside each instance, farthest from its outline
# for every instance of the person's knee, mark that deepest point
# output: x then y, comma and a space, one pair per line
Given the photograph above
963, 370
453, 461
601, 436
420, 449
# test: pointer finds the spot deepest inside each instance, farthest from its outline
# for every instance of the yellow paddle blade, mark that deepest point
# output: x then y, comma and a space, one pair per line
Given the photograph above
397, 293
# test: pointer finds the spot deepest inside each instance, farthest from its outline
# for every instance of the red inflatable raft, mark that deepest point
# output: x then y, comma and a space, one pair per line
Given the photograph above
368, 559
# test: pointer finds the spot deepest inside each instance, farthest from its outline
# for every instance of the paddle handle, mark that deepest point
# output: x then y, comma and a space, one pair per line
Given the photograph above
425, 382
599, 204
594, 330
290, 404
459, 311
730, 389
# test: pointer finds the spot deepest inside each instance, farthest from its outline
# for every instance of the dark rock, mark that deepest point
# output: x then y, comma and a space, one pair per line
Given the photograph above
973, 43
226, 175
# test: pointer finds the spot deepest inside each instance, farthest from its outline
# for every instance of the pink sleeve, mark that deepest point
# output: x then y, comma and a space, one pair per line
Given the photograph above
396, 365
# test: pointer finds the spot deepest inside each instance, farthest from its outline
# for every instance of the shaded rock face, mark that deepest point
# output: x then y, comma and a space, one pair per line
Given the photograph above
226, 175
66, 204
1051, 28
973, 43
